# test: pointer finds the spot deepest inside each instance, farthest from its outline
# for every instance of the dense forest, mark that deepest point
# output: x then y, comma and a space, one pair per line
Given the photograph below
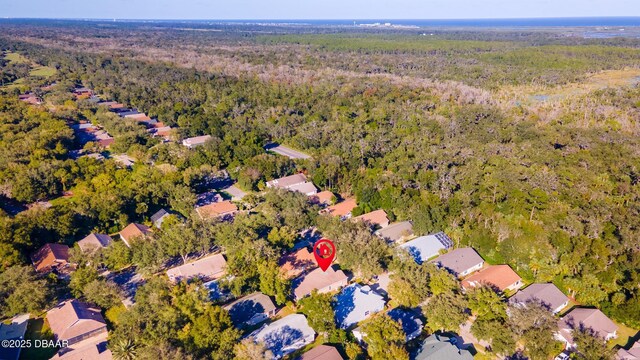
447, 130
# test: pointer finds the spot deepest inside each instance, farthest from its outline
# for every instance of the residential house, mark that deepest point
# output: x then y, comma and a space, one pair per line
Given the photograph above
286, 335
323, 198
547, 294
223, 209
251, 310
287, 181
134, 232
377, 218
592, 319
30, 98
208, 268
322, 352
306, 188
217, 293
76, 322
460, 262
196, 141
356, 303
127, 112
632, 354
13, 330
124, 160
138, 117
159, 217
82, 93
410, 320
440, 347
342, 209
427, 247
499, 277
93, 242
94, 351
322, 281
396, 232
296, 263
51, 257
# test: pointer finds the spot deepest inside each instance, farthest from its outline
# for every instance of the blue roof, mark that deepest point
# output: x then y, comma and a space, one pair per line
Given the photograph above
356, 303
427, 247
216, 292
410, 321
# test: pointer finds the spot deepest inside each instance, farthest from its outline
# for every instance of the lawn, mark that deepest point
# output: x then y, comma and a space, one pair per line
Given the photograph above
37, 329
626, 336
15, 58
43, 71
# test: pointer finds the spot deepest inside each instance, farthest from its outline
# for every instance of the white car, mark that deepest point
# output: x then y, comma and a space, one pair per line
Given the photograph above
562, 356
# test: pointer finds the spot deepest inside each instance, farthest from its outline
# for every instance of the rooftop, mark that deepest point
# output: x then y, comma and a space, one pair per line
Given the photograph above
286, 335
73, 318
294, 264
50, 255
459, 260
376, 217
217, 209
547, 294
287, 181
210, 267
343, 208
94, 241
355, 303
427, 247
396, 231
318, 279
500, 276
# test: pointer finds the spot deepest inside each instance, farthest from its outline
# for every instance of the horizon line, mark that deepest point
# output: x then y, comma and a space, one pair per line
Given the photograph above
328, 19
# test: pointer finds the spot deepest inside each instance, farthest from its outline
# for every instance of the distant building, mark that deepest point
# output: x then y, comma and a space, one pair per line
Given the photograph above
546, 294
592, 319
306, 188
324, 198
342, 209
208, 268
460, 262
377, 218
93, 242
286, 335
427, 247
322, 281
356, 303
51, 257
76, 322
396, 232
499, 277
287, 182
134, 232
439, 347
251, 310
322, 352
196, 141
221, 209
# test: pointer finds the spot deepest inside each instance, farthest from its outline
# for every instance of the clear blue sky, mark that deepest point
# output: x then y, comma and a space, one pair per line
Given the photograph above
316, 9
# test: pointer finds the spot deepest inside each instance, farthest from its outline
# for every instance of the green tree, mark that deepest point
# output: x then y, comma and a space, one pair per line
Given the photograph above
318, 309
273, 282
590, 346
446, 312
385, 338
22, 290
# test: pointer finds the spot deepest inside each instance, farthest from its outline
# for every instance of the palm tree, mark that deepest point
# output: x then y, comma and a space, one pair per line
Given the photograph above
124, 349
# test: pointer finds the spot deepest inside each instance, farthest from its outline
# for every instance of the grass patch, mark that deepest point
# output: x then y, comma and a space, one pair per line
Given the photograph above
43, 71
626, 337
16, 58
37, 329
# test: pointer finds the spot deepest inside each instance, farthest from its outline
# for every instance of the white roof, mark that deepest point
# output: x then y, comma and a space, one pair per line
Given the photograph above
306, 188
286, 335
426, 247
356, 303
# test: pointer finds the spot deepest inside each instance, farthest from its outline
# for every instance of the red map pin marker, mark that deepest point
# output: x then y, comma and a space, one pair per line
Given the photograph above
325, 251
